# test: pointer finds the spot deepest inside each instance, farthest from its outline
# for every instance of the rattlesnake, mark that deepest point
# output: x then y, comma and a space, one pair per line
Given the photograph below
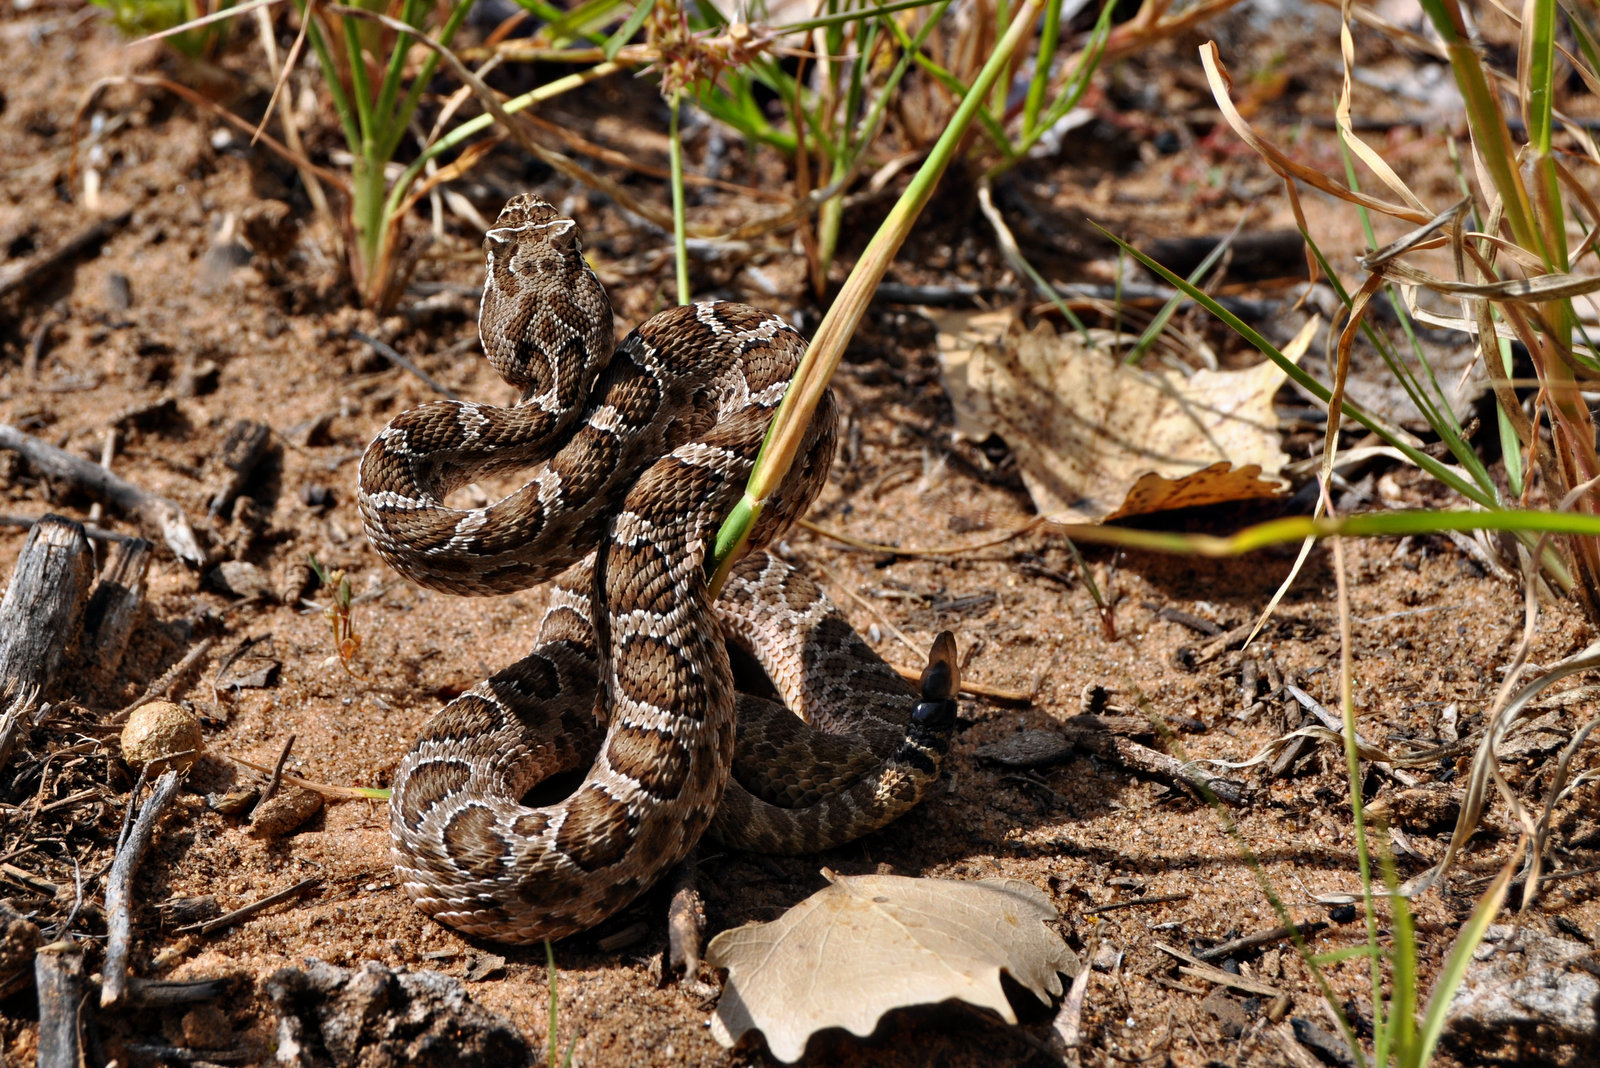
637, 450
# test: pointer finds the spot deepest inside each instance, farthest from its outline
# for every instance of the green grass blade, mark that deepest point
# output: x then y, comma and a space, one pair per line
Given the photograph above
1455, 966
1540, 34
1044, 59
625, 32
1162, 317
833, 333
680, 236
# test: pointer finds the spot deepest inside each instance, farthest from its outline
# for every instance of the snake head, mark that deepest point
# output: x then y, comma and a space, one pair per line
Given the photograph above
545, 319
531, 236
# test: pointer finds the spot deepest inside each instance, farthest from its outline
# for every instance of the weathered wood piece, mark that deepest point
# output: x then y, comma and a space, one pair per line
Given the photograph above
44, 605
161, 515
58, 976
119, 889
242, 450
114, 608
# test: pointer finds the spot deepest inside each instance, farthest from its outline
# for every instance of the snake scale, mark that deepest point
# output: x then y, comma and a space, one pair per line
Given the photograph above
633, 453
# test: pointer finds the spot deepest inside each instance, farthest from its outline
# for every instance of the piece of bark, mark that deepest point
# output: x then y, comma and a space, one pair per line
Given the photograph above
162, 516
19, 708
119, 889
242, 450
114, 608
58, 975
44, 605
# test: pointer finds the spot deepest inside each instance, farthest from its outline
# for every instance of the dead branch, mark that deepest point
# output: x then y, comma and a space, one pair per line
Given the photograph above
229, 918
163, 516
119, 889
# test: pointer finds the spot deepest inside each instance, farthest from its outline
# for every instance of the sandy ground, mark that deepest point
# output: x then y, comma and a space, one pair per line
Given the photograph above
168, 338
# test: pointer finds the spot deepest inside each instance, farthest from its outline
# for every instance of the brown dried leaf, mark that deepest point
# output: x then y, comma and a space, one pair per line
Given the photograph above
867, 944
1098, 439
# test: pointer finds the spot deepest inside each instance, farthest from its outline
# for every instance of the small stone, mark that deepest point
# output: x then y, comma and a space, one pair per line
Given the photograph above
285, 812
157, 732
119, 292
481, 966
242, 580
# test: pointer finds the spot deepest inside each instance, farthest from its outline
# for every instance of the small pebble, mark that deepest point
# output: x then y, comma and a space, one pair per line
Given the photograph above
285, 812
158, 731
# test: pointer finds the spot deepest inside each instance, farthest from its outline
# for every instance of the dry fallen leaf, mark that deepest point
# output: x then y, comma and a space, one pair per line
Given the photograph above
867, 944
1098, 439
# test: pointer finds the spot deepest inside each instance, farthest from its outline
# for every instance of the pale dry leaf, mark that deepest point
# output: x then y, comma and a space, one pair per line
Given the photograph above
1098, 439
868, 944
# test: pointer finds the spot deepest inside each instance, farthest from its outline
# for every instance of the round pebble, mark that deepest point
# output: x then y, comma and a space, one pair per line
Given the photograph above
156, 732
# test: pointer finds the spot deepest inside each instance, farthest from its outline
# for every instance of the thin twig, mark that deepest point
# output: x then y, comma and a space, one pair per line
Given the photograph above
230, 918
277, 776
133, 803
162, 687
93, 533
119, 889
389, 353
163, 515
1136, 902
1259, 939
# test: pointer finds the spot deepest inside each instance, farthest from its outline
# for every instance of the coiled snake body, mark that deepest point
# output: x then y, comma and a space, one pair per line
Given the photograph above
637, 451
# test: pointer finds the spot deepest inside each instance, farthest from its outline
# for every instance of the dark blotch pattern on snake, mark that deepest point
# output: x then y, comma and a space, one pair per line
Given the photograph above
634, 452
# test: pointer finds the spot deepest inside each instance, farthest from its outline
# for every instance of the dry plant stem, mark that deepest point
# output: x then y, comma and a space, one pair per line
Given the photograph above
18, 709
43, 606
1137, 757
1196, 968
338, 793
90, 531
240, 914
157, 512
58, 977
277, 775
389, 353
1335, 724
1261, 938
291, 128
119, 889
163, 686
